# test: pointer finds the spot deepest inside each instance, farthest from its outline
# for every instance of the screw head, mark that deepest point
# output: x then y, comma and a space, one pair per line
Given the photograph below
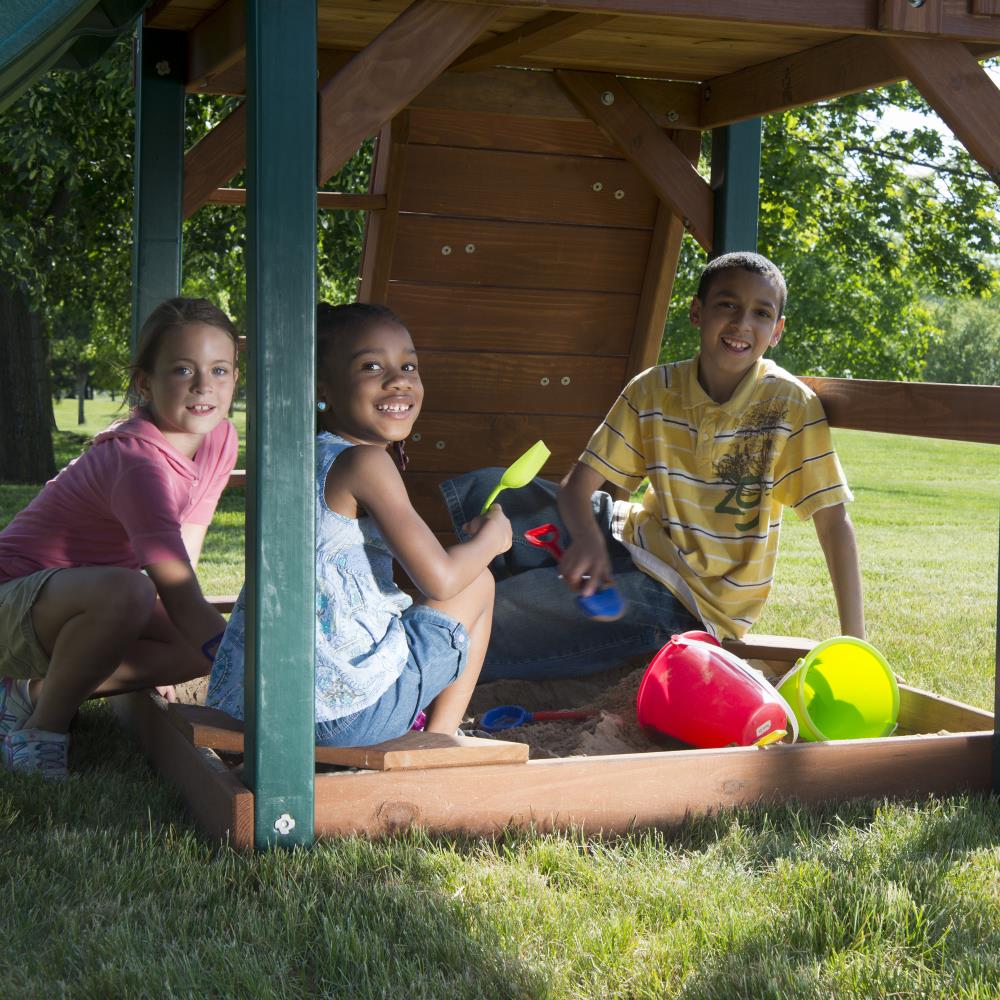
672, 116
446, 250
565, 380
597, 186
544, 380
607, 98
284, 824
470, 247
619, 194
416, 436
916, 3
439, 445
163, 68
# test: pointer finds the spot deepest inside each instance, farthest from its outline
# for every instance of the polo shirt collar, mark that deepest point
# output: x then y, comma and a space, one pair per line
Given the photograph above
692, 394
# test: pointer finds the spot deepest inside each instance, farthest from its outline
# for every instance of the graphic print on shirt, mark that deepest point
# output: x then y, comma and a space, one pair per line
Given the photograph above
745, 466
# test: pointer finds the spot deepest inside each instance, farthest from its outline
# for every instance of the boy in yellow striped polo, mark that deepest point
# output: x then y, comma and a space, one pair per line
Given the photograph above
727, 440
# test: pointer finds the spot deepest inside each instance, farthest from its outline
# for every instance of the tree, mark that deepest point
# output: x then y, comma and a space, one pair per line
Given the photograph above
866, 223
65, 209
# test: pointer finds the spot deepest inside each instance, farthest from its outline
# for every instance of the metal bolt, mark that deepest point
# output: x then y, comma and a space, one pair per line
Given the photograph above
565, 380
706, 94
446, 249
917, 3
284, 824
544, 380
163, 68
607, 98
687, 223
597, 186
672, 116
619, 194
470, 247
439, 445
416, 437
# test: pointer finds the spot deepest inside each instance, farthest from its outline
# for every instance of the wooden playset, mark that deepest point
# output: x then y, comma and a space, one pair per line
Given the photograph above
533, 178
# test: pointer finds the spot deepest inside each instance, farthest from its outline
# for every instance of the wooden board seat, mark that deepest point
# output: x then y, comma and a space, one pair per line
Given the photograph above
208, 727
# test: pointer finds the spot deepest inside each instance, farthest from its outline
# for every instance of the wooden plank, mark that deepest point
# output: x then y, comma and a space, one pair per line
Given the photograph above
530, 37
208, 727
475, 318
214, 160
770, 647
441, 446
483, 130
661, 269
223, 603
844, 17
399, 63
521, 93
831, 70
959, 90
219, 802
216, 44
519, 254
926, 712
616, 794
664, 166
489, 382
953, 412
918, 17
336, 200
985, 8
527, 187
387, 178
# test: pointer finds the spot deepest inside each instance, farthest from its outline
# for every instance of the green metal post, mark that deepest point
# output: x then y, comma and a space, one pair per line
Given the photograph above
159, 170
736, 184
281, 334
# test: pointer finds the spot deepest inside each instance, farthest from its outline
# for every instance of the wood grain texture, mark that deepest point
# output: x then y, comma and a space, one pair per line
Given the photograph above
519, 254
216, 44
958, 89
486, 382
550, 321
396, 66
208, 727
665, 167
954, 412
619, 793
333, 200
526, 187
219, 802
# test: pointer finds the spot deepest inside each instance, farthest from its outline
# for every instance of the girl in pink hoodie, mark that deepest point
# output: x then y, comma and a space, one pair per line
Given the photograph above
98, 592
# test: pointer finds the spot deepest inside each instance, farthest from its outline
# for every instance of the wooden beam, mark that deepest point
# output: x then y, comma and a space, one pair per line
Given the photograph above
844, 17
607, 101
216, 44
658, 283
384, 77
953, 412
918, 18
381, 227
528, 37
959, 90
336, 200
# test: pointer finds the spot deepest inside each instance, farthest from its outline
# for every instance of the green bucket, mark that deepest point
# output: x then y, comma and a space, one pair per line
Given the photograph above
843, 689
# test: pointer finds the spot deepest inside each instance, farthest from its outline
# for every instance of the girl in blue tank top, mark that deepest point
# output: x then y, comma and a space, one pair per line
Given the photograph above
381, 658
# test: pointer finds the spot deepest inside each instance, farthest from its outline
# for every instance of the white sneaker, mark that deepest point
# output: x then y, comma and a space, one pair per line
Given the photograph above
15, 704
35, 751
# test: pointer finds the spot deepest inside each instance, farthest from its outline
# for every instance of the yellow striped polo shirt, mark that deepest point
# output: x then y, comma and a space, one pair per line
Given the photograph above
719, 476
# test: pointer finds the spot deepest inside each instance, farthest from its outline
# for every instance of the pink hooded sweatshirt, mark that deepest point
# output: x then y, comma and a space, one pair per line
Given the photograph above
121, 503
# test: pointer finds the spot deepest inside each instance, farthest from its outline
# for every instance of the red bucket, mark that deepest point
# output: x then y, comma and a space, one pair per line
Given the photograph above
698, 692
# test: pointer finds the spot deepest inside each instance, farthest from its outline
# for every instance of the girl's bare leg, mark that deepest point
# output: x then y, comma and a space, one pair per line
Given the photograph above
104, 631
474, 609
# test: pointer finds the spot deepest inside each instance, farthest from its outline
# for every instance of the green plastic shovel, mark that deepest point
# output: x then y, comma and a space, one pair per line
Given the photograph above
520, 472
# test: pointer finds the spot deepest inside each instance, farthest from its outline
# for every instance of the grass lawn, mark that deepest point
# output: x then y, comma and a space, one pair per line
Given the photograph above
111, 894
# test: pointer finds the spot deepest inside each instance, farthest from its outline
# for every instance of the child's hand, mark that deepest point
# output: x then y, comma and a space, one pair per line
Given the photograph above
586, 565
495, 521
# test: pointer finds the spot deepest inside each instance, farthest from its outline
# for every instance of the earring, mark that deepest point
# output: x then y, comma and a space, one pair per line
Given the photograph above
321, 405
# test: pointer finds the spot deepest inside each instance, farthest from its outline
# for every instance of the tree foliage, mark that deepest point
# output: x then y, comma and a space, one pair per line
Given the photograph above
867, 223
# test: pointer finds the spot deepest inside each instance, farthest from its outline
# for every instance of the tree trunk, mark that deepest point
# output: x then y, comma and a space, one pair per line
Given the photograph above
26, 454
81, 394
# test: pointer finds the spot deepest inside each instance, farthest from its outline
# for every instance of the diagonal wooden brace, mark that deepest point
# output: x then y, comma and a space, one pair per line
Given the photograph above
385, 76
606, 100
958, 89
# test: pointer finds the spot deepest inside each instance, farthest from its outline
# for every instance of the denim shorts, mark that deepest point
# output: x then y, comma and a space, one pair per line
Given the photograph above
439, 651
539, 630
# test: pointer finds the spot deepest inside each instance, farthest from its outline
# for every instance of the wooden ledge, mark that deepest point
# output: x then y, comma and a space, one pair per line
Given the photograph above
208, 727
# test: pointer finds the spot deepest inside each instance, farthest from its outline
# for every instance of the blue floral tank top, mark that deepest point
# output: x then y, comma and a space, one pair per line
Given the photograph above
361, 647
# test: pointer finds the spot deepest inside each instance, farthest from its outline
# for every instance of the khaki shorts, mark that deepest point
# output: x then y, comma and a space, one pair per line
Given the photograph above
21, 654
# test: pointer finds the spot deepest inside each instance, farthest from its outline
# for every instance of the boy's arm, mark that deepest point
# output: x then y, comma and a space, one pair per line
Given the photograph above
587, 554
840, 547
